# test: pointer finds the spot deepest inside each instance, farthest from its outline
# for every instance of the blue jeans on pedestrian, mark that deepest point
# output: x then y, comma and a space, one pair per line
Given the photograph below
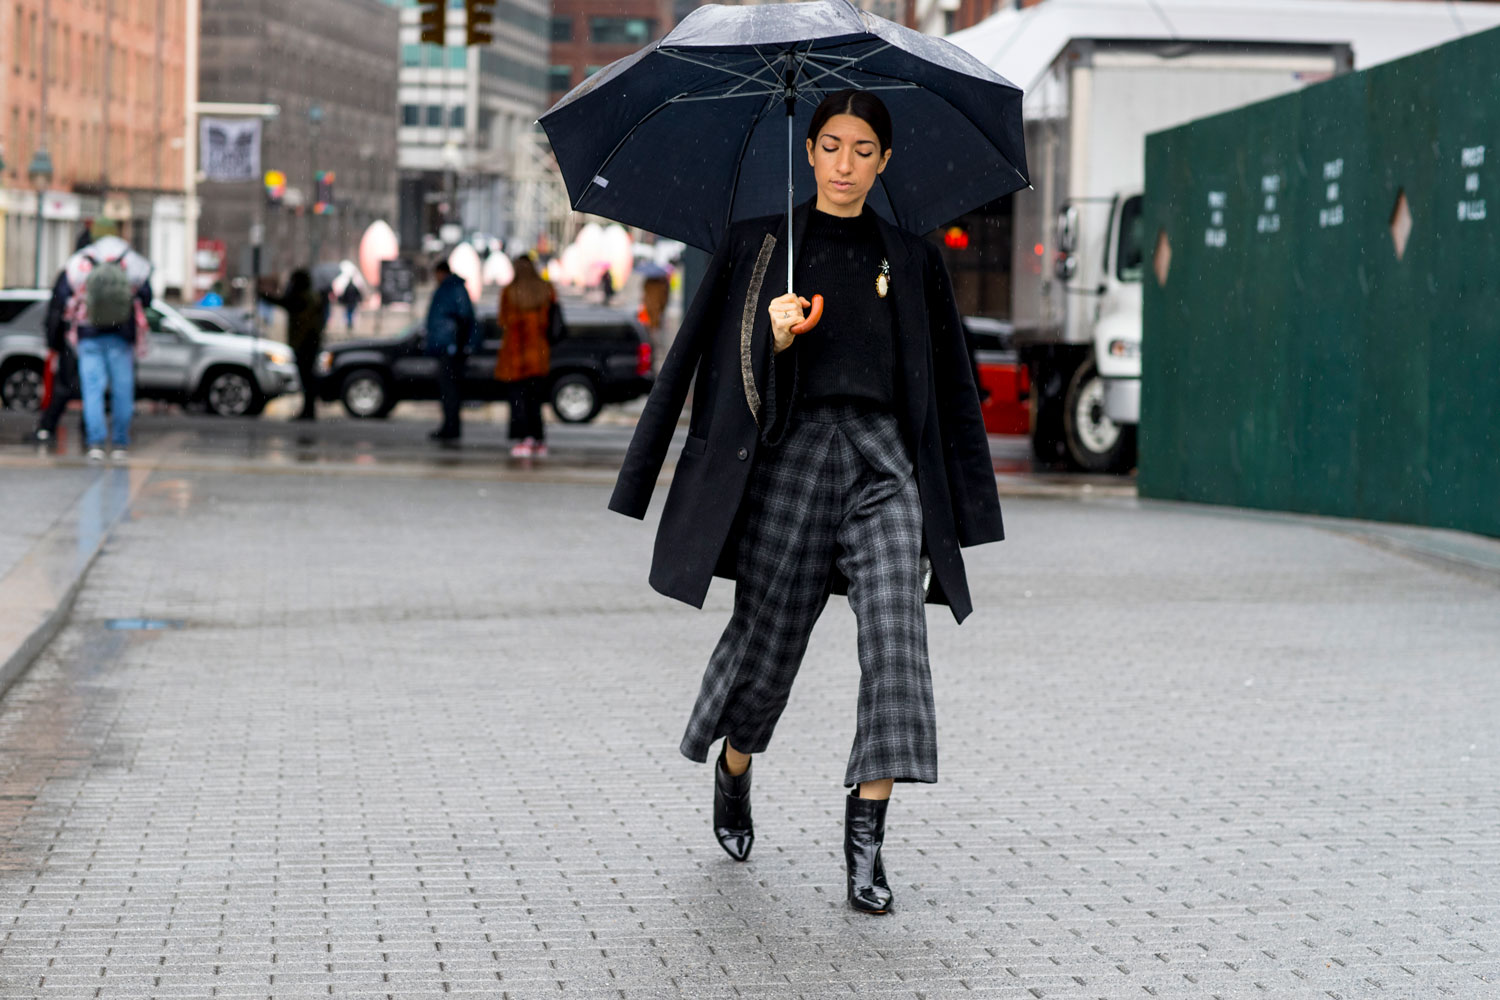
108, 358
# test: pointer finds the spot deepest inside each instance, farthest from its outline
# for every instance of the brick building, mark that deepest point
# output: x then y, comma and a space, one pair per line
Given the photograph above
105, 88
590, 34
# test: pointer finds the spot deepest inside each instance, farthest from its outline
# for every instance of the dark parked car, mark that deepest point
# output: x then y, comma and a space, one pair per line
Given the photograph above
605, 358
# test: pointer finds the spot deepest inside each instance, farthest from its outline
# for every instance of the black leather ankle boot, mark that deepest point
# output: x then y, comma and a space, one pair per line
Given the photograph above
864, 832
732, 823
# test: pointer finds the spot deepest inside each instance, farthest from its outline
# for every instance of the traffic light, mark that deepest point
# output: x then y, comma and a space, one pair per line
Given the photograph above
323, 200
434, 21
477, 14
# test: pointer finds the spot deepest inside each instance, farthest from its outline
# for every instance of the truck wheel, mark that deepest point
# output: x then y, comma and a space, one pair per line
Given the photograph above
1095, 442
575, 398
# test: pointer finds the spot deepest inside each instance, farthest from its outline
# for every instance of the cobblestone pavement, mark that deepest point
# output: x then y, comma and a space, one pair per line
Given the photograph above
418, 737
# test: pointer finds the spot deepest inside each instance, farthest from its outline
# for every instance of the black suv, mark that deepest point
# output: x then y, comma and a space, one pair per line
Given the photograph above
605, 358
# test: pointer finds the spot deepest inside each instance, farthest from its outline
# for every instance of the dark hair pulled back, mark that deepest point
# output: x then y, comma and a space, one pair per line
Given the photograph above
861, 104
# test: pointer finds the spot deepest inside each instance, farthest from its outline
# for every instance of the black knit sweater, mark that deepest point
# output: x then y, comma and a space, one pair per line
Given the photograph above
850, 354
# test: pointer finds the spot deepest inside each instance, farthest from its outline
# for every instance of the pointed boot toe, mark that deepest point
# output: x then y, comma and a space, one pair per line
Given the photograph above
732, 824
736, 843
864, 835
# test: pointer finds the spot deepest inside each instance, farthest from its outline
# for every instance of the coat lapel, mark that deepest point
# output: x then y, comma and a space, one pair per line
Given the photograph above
773, 286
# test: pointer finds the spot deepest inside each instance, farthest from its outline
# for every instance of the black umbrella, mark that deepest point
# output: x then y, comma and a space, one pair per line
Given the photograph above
701, 128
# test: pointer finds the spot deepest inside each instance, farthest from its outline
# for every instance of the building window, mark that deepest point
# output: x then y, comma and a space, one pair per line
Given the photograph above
18, 47
458, 57
562, 29
411, 55
456, 116
560, 78
589, 71
435, 115
621, 30
411, 114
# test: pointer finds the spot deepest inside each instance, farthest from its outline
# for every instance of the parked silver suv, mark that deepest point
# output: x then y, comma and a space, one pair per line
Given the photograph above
231, 375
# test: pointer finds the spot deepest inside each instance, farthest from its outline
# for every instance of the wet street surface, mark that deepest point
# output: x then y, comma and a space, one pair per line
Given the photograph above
339, 712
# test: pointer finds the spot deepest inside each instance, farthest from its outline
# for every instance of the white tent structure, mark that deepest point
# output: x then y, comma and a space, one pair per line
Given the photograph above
1021, 45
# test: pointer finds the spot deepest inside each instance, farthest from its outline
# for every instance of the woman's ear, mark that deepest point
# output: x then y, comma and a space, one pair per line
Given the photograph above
810, 153
885, 158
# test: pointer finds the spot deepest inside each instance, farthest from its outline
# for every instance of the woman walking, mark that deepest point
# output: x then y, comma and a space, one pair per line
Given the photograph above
525, 358
850, 458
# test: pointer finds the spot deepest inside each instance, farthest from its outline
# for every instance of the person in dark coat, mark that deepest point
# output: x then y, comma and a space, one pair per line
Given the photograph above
850, 458
306, 318
450, 338
350, 299
65, 386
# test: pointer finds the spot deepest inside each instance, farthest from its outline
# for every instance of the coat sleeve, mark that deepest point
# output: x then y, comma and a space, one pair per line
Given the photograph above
653, 432
55, 323
966, 448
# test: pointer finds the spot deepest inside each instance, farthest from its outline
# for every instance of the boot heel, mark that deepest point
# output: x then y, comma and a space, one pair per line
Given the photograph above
864, 834
732, 824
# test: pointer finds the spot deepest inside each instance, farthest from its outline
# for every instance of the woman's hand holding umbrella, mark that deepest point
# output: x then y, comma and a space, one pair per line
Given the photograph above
787, 319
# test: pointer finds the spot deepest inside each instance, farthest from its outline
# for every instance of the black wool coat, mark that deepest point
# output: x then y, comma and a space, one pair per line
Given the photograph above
725, 338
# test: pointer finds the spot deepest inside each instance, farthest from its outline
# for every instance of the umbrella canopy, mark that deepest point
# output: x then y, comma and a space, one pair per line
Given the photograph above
137, 268
691, 133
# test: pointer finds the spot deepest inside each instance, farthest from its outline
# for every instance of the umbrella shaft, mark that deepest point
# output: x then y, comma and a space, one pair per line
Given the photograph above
789, 147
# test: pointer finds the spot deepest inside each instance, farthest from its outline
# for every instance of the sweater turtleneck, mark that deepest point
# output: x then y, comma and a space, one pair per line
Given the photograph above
850, 354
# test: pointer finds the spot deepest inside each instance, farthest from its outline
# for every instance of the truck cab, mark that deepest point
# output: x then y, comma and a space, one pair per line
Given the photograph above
1117, 331
1098, 271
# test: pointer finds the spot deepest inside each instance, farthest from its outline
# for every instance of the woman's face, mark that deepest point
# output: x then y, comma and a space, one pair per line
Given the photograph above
846, 159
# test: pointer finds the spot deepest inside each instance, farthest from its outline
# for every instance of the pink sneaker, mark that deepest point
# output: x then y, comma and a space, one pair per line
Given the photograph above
521, 449
539, 449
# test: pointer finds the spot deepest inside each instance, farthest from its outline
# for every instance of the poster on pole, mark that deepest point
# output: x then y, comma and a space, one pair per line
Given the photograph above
230, 149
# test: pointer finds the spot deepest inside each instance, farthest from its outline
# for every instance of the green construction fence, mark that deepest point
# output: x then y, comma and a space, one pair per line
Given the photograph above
1322, 298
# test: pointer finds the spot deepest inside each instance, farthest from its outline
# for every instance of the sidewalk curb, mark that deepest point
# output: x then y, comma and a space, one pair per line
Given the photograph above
1474, 555
39, 591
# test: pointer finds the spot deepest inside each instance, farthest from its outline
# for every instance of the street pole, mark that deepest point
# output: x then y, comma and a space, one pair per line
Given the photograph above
267, 113
315, 117
36, 280
40, 170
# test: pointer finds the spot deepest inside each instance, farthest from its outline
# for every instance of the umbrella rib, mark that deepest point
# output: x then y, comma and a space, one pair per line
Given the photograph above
599, 170
739, 161
705, 64
847, 62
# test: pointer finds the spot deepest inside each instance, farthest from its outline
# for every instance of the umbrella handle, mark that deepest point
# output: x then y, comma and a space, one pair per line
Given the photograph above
815, 314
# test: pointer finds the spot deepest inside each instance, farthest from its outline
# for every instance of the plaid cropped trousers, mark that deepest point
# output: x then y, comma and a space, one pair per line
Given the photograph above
839, 490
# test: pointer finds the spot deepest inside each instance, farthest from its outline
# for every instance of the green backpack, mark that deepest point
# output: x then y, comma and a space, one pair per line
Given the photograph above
108, 295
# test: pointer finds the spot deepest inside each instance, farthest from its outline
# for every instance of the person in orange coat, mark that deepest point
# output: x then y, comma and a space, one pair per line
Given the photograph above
525, 359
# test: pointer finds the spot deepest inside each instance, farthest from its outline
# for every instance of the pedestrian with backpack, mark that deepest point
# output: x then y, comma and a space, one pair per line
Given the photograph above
109, 288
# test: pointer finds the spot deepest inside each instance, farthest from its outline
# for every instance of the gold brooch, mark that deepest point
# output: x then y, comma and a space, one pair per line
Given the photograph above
883, 279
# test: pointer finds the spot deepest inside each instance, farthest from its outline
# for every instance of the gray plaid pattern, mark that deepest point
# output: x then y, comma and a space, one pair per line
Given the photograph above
838, 491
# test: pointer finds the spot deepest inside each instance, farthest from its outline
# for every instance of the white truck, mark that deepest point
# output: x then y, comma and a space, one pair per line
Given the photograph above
1079, 253
1099, 75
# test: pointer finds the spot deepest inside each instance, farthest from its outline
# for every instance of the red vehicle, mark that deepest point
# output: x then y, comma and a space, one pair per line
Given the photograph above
1007, 410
